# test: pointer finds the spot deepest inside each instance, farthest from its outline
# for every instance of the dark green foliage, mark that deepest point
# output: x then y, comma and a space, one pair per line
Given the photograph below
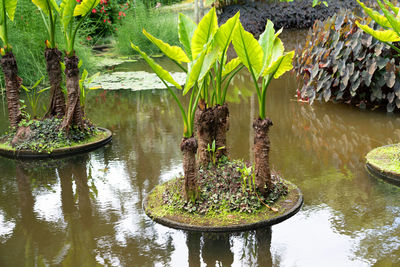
221, 190
46, 135
340, 62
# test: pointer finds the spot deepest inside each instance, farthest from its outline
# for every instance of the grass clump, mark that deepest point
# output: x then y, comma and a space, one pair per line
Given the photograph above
223, 189
162, 24
45, 136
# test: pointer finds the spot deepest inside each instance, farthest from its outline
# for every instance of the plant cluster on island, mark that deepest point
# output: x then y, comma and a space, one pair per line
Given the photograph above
213, 182
64, 123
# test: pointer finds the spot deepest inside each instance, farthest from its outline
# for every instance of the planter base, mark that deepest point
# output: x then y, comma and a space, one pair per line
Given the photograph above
384, 163
287, 206
59, 152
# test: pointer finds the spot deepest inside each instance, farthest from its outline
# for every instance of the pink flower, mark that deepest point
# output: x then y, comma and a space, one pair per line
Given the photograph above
123, 14
94, 10
89, 38
78, 1
104, 21
120, 13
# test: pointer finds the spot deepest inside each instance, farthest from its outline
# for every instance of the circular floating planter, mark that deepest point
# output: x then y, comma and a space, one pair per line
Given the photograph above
287, 206
103, 138
384, 162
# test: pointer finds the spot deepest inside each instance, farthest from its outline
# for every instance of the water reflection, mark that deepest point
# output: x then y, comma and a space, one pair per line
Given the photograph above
218, 249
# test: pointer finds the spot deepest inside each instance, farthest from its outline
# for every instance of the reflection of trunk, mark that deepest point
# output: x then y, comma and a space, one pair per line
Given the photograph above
217, 249
67, 194
204, 119
74, 114
221, 115
261, 154
82, 189
13, 83
189, 148
25, 196
193, 245
57, 100
263, 237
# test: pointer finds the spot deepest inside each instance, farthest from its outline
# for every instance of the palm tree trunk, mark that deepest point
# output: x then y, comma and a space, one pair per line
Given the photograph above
204, 120
221, 115
13, 83
189, 149
261, 155
73, 114
57, 100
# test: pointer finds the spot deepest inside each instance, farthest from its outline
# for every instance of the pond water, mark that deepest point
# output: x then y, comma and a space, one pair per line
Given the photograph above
87, 210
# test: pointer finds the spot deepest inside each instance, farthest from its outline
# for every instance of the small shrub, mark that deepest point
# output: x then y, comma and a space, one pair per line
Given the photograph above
340, 62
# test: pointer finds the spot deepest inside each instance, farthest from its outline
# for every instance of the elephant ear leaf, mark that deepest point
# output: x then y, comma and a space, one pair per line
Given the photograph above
383, 36
204, 32
161, 73
248, 50
224, 34
231, 66
281, 65
85, 6
375, 15
44, 5
173, 52
67, 11
186, 28
11, 6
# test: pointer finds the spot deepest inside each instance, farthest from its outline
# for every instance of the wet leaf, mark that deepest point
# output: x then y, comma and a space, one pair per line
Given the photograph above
390, 107
390, 97
327, 94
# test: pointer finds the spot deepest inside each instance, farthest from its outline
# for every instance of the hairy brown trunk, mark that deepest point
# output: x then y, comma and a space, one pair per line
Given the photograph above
221, 115
57, 100
261, 154
189, 149
13, 83
73, 114
204, 120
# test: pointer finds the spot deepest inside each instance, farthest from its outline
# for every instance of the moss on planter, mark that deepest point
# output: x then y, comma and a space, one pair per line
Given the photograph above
385, 158
384, 162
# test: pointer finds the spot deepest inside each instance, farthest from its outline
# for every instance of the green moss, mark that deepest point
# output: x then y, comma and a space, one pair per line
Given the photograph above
217, 217
386, 158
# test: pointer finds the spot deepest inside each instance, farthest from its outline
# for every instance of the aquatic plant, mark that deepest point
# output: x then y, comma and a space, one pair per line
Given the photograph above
68, 10
9, 64
52, 55
204, 45
265, 59
342, 63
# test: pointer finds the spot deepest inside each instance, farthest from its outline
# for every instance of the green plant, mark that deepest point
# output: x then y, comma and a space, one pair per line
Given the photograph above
84, 85
33, 96
70, 9
390, 22
49, 8
160, 23
247, 176
212, 151
341, 62
264, 59
318, 2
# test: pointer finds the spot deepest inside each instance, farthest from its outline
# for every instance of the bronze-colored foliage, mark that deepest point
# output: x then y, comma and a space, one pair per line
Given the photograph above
340, 62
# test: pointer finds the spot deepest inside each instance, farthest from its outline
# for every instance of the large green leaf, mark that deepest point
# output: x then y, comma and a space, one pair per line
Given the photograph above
395, 23
248, 49
200, 67
383, 36
186, 28
204, 32
173, 52
11, 6
45, 4
67, 11
266, 42
224, 34
375, 15
85, 6
392, 7
231, 66
161, 73
281, 65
